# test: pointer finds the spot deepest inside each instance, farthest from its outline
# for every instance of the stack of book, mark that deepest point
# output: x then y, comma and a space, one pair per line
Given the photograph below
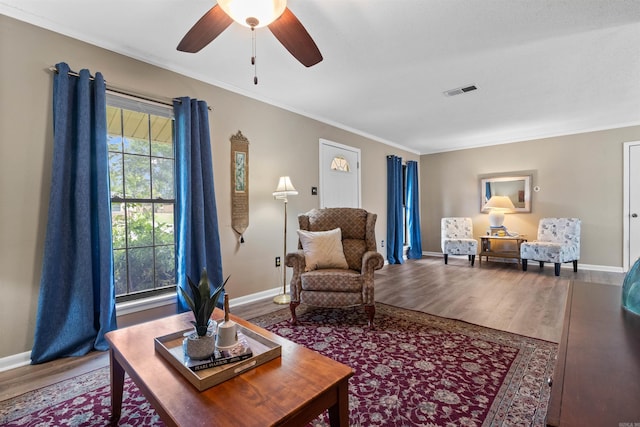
498, 231
240, 351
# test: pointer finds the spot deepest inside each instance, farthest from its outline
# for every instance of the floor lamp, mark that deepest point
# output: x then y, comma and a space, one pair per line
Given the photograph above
285, 189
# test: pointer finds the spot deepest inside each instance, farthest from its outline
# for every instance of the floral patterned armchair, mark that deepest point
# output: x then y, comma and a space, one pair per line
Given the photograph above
326, 285
457, 238
558, 242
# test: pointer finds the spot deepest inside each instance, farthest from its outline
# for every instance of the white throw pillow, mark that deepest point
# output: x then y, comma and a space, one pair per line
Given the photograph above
322, 249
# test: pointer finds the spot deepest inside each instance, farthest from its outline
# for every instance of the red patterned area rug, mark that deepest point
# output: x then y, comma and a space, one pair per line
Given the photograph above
415, 369
412, 369
84, 400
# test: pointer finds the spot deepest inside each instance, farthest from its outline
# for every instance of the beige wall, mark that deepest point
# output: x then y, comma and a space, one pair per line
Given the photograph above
281, 143
579, 176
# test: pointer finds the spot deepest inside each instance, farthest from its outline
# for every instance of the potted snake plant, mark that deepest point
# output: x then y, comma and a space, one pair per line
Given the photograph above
201, 343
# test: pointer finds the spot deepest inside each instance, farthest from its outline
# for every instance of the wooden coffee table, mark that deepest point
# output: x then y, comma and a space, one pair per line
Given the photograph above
290, 390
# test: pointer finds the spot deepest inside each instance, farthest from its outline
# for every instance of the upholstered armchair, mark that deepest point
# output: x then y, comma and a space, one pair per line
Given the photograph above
456, 238
335, 261
558, 241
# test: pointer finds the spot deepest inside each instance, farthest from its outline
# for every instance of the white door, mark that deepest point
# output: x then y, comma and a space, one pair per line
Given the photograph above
339, 175
633, 214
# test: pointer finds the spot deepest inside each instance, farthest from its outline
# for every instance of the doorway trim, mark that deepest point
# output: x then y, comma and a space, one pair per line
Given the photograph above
626, 264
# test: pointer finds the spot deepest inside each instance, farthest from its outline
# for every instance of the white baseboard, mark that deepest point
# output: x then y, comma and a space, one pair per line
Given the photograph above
168, 299
234, 302
589, 267
595, 267
15, 361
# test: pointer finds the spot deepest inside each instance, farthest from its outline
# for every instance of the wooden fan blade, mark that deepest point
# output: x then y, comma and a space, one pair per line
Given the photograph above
293, 36
212, 23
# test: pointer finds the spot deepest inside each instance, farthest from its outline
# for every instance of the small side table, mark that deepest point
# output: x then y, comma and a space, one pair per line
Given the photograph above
488, 251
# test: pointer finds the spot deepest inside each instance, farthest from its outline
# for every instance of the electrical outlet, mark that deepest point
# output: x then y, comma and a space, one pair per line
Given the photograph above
382, 243
277, 261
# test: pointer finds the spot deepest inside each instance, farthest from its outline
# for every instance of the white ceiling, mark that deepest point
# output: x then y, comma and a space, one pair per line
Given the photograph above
542, 67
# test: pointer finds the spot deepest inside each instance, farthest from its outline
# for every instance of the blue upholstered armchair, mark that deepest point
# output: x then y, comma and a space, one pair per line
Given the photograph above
456, 238
558, 242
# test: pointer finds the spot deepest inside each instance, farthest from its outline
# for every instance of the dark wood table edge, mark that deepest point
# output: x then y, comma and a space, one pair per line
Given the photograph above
556, 382
595, 382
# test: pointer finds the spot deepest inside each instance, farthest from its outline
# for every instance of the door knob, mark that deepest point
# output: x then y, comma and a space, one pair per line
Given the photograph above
634, 215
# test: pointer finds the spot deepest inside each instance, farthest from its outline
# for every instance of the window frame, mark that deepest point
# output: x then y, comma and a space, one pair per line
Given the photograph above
149, 108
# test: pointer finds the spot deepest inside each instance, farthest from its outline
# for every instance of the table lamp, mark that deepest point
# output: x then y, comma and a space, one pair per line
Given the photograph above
498, 205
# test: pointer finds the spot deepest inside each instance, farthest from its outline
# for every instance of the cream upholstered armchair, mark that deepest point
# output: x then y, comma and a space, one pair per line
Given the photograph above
558, 242
456, 238
336, 259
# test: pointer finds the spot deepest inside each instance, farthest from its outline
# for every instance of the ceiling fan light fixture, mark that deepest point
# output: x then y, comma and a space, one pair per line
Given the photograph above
253, 13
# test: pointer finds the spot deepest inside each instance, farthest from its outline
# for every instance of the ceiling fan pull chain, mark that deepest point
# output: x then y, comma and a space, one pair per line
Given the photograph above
253, 56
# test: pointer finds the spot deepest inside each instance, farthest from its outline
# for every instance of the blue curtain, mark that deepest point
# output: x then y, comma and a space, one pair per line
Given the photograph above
413, 211
394, 210
197, 238
76, 305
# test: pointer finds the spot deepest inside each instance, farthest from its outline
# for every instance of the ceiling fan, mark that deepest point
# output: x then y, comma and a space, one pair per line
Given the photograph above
254, 14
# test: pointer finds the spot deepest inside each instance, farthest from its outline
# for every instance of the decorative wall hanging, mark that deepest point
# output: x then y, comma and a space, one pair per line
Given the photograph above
239, 184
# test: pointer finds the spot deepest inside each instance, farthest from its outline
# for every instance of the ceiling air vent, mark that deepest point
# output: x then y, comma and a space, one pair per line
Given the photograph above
460, 90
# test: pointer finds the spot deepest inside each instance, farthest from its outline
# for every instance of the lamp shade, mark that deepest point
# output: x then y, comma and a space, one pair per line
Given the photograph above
253, 13
285, 188
498, 205
500, 202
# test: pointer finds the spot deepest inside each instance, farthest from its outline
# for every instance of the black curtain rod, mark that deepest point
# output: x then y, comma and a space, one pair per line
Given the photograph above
110, 87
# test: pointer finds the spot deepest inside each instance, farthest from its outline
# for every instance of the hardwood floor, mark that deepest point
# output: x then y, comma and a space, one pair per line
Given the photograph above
496, 295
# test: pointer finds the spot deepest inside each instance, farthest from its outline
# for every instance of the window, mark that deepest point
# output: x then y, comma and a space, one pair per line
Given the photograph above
339, 163
140, 138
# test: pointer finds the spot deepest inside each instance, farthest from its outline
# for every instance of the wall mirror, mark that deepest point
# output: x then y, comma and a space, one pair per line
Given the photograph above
516, 187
